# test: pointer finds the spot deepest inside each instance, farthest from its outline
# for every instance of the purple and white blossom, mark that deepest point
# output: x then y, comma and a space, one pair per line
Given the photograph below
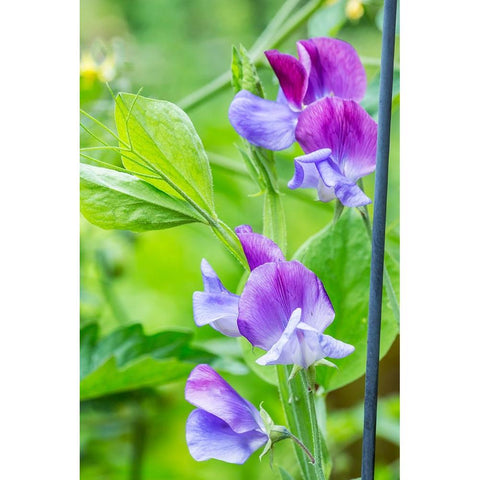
325, 67
283, 309
225, 426
215, 306
339, 139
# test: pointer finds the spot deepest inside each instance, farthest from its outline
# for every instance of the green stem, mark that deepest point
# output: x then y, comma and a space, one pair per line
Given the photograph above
317, 438
270, 38
274, 224
227, 236
293, 424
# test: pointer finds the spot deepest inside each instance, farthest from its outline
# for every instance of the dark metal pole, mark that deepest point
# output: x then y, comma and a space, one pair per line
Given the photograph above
378, 240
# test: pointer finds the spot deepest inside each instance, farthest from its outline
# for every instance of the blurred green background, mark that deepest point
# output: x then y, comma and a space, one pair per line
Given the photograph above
170, 49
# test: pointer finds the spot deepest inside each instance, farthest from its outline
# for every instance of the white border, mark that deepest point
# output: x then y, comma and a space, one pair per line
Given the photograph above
39, 249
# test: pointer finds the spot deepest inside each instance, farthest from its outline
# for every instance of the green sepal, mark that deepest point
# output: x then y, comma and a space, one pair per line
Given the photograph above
244, 73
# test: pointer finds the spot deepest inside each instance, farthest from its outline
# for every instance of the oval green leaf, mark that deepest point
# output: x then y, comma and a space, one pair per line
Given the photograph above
340, 256
116, 200
164, 141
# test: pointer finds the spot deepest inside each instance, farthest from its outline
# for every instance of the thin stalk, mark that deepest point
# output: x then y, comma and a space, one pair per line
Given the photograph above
272, 28
226, 235
274, 38
303, 447
100, 124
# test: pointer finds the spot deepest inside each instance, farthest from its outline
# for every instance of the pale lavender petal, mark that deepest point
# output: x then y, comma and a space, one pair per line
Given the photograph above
258, 248
325, 194
272, 292
210, 437
351, 195
287, 349
262, 122
344, 127
215, 306
335, 348
306, 173
335, 69
291, 75
345, 190
219, 310
207, 390
211, 282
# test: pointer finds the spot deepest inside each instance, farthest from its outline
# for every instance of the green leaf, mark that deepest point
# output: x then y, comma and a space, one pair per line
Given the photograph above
127, 359
144, 372
244, 73
164, 141
340, 256
111, 199
370, 101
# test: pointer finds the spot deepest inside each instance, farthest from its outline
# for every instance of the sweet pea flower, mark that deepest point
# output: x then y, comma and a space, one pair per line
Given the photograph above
283, 309
225, 426
325, 67
340, 142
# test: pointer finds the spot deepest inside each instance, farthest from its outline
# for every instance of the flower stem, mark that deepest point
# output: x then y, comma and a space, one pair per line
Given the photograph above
294, 426
317, 439
226, 235
303, 447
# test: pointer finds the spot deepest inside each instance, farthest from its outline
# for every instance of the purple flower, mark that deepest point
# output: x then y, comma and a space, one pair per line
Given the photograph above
325, 67
284, 309
340, 142
225, 426
215, 306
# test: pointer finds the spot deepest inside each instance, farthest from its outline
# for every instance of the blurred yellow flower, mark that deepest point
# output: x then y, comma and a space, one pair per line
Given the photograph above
354, 9
101, 68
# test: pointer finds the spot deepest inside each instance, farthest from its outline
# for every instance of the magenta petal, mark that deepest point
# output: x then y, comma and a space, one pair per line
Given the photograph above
271, 294
344, 127
262, 122
291, 75
210, 437
207, 390
258, 248
335, 69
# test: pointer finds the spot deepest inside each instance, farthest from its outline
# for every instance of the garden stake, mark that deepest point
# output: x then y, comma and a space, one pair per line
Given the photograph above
378, 240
